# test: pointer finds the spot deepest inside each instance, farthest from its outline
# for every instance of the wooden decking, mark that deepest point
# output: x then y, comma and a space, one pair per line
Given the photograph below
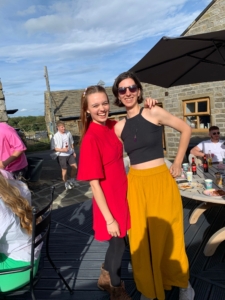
79, 256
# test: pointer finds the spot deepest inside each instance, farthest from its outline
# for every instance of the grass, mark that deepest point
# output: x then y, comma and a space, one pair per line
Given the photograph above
37, 145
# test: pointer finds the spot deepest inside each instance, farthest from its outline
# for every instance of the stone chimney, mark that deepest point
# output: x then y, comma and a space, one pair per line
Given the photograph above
3, 113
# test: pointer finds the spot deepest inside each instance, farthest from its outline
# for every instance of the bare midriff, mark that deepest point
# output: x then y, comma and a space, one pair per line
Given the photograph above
149, 164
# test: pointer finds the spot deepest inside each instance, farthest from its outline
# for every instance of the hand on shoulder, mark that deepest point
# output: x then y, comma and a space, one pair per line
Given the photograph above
150, 102
153, 114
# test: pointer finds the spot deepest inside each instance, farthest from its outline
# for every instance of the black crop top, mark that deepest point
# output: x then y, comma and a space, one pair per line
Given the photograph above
142, 139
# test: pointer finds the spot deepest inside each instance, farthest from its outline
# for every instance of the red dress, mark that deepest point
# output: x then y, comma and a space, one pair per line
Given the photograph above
101, 157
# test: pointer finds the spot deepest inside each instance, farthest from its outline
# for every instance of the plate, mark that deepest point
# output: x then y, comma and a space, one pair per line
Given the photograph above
214, 193
186, 186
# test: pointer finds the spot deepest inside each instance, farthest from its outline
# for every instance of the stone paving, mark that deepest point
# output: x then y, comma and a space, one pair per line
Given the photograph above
62, 197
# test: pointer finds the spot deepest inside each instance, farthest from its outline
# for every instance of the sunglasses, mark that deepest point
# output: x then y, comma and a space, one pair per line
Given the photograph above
214, 133
132, 89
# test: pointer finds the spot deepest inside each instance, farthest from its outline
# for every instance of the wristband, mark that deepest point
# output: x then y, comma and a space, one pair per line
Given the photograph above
111, 222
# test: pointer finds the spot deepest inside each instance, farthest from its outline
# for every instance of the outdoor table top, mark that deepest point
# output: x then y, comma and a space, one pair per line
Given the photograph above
207, 202
197, 191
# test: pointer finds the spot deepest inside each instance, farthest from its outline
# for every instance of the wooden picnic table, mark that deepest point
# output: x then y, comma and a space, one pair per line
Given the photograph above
196, 193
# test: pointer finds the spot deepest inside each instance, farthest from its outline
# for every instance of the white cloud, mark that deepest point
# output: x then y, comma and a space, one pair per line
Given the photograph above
49, 24
29, 11
23, 109
84, 20
93, 42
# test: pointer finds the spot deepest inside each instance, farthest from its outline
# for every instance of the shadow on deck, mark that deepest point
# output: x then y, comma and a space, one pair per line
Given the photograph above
79, 256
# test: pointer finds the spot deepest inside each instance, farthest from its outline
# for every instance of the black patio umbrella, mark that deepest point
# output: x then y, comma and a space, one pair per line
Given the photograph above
184, 60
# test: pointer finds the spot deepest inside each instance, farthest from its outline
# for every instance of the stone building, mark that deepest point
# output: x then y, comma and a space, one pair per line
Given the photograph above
200, 105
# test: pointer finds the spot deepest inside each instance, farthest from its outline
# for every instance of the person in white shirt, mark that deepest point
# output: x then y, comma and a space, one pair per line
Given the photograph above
15, 232
63, 144
215, 146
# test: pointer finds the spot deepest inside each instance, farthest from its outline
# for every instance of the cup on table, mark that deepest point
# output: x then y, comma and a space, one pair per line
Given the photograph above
189, 176
185, 167
208, 183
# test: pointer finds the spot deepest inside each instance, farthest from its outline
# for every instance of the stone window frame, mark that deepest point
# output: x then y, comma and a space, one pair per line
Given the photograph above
194, 117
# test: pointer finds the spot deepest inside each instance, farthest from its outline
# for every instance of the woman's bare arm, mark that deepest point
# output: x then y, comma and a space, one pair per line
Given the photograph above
162, 117
111, 223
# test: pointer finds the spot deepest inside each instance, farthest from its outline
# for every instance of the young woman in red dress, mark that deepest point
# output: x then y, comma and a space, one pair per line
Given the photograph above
101, 163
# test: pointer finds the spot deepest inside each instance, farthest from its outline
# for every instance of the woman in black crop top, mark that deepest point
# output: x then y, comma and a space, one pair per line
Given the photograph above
159, 260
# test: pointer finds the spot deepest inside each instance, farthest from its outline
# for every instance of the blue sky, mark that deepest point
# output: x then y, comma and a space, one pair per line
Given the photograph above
80, 41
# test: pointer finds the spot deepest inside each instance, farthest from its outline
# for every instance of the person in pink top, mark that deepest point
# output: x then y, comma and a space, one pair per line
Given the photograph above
12, 156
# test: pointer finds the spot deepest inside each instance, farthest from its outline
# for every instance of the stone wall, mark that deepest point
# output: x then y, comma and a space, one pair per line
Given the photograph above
3, 114
173, 104
212, 20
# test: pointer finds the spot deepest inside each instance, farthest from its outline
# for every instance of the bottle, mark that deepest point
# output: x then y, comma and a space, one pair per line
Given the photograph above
205, 164
209, 158
66, 145
193, 166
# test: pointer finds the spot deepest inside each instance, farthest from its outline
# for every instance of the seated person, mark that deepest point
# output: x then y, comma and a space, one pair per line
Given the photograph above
215, 145
12, 151
15, 232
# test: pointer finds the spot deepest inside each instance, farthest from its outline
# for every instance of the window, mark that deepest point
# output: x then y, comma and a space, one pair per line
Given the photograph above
197, 113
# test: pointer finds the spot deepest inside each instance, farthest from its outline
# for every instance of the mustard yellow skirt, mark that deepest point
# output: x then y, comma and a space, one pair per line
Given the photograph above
156, 237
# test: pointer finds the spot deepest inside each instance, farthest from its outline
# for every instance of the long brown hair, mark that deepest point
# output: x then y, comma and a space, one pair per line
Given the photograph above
84, 115
12, 198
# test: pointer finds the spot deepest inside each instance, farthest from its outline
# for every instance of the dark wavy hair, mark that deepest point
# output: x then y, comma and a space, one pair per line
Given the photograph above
84, 116
120, 78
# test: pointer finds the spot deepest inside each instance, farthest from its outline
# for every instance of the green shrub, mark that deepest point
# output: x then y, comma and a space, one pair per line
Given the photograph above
34, 145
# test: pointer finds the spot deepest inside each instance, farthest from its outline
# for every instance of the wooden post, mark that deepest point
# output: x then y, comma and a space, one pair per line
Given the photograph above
52, 115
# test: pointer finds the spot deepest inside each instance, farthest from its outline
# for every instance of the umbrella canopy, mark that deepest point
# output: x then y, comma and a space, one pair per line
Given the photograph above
184, 60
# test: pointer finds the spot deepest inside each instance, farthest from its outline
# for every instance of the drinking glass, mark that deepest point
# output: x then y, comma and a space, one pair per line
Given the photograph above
210, 159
